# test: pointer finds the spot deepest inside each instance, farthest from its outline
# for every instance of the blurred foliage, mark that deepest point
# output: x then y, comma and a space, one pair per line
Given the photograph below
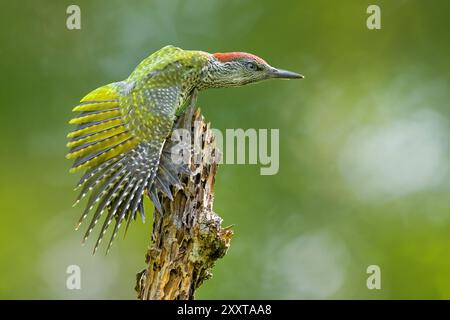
364, 148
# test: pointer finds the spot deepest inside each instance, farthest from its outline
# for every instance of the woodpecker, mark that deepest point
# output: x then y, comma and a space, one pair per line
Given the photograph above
121, 128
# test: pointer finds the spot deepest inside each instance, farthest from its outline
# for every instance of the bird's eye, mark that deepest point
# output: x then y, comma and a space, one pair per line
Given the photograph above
252, 66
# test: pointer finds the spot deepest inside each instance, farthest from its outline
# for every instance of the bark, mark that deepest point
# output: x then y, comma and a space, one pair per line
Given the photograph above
187, 238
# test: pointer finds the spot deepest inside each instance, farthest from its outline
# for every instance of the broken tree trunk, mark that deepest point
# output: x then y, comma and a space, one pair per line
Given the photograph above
187, 238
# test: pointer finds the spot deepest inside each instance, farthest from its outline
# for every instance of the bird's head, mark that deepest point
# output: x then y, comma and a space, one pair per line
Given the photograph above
234, 69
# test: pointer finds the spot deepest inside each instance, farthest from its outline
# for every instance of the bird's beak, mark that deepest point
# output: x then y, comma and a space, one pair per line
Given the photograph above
284, 74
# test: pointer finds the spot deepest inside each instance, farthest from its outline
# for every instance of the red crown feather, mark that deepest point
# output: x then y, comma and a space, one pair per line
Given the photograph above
230, 56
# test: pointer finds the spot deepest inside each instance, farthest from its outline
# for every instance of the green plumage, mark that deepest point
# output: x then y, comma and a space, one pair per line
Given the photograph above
122, 129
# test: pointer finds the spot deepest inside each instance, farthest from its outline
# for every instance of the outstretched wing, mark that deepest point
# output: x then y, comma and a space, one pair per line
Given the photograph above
115, 143
101, 133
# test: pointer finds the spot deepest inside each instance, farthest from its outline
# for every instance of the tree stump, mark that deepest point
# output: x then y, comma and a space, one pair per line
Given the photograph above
187, 238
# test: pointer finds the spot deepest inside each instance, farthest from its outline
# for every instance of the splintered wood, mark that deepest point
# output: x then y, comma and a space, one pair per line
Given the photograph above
187, 238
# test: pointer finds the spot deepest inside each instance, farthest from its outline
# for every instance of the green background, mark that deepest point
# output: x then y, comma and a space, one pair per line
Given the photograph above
364, 145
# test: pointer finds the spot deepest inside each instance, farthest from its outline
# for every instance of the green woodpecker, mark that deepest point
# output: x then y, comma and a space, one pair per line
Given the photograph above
122, 127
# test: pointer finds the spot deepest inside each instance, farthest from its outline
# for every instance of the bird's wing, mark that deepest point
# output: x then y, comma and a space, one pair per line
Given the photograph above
101, 133
120, 165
